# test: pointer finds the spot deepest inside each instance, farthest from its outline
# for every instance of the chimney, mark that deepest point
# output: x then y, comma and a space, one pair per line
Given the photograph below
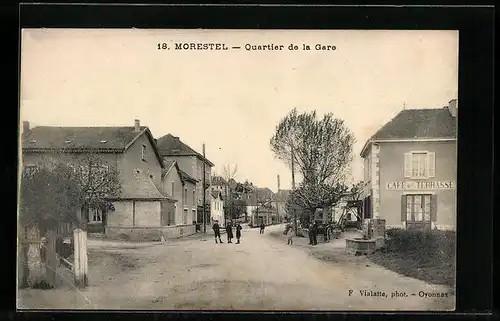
453, 107
137, 126
26, 127
176, 137
156, 141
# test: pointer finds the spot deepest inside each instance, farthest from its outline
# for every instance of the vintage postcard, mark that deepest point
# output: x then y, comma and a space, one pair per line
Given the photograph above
237, 169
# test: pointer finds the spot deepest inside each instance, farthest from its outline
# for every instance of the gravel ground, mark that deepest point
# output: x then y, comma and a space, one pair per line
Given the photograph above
260, 273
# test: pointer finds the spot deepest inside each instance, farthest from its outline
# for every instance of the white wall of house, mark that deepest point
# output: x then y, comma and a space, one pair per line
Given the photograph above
147, 213
217, 210
122, 215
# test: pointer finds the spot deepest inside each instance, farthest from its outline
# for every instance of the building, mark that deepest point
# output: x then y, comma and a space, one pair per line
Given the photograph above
141, 208
171, 148
181, 186
217, 207
280, 200
259, 206
410, 169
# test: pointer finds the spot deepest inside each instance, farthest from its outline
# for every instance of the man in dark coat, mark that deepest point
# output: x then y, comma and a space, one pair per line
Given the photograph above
238, 232
315, 233
216, 229
229, 232
311, 232
262, 227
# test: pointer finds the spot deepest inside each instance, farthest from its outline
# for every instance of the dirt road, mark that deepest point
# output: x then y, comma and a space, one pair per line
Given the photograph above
260, 273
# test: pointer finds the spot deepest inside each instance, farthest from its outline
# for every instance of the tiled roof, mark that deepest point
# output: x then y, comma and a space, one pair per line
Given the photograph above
169, 145
282, 195
46, 137
186, 176
436, 123
143, 187
96, 139
419, 123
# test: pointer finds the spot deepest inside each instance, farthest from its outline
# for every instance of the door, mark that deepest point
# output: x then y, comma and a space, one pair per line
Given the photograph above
367, 204
418, 212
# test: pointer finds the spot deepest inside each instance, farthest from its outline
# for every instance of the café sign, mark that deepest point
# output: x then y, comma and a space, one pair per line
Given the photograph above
420, 185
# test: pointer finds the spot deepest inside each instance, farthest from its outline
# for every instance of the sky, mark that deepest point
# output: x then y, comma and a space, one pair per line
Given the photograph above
232, 100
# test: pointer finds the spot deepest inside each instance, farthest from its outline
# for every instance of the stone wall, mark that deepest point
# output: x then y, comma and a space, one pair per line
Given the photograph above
149, 234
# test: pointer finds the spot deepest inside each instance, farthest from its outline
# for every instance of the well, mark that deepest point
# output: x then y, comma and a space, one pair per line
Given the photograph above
360, 246
373, 238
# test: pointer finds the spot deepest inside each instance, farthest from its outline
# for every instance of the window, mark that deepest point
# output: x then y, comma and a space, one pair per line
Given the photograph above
143, 153
193, 217
173, 189
185, 217
184, 197
418, 208
194, 196
95, 215
419, 164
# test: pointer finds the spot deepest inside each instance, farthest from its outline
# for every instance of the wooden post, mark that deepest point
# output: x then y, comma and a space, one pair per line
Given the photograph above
80, 264
51, 259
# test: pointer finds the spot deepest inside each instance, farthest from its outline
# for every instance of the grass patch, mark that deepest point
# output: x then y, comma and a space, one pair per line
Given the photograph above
425, 255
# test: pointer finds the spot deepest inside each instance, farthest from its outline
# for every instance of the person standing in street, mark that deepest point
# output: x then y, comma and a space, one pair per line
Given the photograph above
262, 227
216, 229
229, 231
290, 235
310, 232
315, 233
238, 232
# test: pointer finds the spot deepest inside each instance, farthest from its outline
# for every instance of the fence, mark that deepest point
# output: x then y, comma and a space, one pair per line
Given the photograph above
40, 258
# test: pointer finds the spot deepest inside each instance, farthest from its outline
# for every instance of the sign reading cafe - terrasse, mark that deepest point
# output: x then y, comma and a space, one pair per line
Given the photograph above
420, 185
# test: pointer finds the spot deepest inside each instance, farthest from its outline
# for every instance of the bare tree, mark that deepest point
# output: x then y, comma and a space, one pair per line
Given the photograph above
229, 174
321, 148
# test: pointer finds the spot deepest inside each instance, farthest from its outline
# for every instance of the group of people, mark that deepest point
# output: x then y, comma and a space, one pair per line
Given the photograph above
229, 232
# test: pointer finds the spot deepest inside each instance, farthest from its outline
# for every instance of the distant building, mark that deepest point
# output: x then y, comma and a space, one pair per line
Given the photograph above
280, 199
411, 168
259, 206
171, 148
217, 207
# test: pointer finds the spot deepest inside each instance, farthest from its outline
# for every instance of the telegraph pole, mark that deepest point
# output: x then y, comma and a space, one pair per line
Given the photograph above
276, 198
204, 191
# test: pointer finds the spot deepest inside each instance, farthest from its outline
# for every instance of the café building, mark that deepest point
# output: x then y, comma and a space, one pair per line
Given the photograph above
410, 169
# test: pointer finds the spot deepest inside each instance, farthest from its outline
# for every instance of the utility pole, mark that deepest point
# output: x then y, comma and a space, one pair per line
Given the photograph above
293, 188
204, 192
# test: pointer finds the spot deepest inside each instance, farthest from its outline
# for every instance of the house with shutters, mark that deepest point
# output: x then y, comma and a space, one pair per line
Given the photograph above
142, 208
171, 148
410, 170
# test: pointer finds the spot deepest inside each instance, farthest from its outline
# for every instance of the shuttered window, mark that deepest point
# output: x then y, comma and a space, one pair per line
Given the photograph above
418, 210
419, 164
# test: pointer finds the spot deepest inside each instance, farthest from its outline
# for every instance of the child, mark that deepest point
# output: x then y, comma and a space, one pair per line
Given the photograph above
238, 232
290, 235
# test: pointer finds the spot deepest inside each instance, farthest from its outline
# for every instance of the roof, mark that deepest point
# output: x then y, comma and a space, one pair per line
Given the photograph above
186, 177
78, 139
143, 187
216, 194
170, 145
436, 123
282, 195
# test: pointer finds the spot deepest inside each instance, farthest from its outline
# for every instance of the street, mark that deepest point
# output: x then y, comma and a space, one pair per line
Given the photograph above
261, 273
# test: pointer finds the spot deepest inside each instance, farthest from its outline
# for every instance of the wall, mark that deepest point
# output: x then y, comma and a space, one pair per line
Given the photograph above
131, 160
147, 213
65, 158
199, 175
148, 234
173, 176
392, 169
217, 210
122, 215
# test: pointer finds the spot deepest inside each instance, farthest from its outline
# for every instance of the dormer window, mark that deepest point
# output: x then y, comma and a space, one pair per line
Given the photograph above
104, 141
32, 141
68, 141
